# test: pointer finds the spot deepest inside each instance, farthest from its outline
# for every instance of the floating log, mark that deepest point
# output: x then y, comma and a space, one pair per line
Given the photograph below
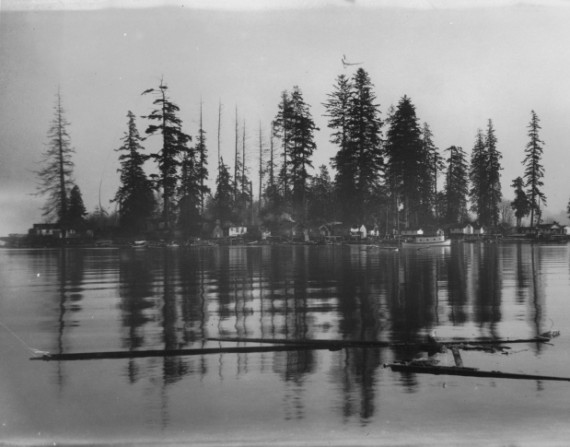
328, 343
339, 344
172, 352
277, 345
468, 372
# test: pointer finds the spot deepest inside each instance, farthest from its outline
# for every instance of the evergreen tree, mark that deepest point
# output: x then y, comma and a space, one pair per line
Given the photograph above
273, 200
521, 204
261, 172
55, 178
174, 144
192, 187
534, 171
408, 166
223, 198
271, 165
294, 126
281, 130
493, 175
441, 204
100, 220
456, 187
135, 195
435, 164
243, 193
302, 148
321, 197
355, 117
76, 211
366, 139
479, 192
202, 159
338, 109
189, 193
485, 174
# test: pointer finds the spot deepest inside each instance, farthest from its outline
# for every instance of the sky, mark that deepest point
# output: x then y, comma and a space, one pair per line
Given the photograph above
461, 63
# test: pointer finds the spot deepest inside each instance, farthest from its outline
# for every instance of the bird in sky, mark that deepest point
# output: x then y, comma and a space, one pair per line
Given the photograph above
345, 63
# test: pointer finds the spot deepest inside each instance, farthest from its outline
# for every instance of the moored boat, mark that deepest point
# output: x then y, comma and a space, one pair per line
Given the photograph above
427, 241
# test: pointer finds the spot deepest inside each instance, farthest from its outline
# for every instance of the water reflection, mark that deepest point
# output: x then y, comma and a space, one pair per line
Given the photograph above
455, 273
135, 292
68, 270
488, 291
172, 299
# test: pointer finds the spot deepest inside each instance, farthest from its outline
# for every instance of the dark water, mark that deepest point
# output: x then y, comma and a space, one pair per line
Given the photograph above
120, 300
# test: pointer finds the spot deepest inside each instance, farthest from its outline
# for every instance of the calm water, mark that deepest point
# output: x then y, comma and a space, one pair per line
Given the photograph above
105, 300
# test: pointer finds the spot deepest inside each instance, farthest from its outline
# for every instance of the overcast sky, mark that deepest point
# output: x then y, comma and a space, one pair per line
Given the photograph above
461, 63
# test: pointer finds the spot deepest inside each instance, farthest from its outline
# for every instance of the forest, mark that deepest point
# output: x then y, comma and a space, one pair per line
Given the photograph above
387, 172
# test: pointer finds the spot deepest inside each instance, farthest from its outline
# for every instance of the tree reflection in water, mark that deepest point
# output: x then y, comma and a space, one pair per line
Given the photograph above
173, 299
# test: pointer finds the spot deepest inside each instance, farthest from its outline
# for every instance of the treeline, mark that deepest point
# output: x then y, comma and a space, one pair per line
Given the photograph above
385, 171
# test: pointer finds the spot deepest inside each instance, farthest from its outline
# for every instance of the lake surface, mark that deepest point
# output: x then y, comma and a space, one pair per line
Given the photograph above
87, 300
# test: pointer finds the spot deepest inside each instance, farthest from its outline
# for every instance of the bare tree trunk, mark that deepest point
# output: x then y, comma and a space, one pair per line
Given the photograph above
260, 164
236, 159
219, 131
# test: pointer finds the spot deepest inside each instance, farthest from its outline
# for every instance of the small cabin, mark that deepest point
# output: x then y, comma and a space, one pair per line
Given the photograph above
354, 233
375, 232
237, 231
460, 230
412, 232
358, 232
478, 230
550, 229
46, 229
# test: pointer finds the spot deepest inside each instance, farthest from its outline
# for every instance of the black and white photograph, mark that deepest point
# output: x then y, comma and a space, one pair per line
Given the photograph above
315, 223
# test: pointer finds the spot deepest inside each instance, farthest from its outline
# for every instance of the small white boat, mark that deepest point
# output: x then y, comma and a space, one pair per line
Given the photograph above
139, 244
427, 241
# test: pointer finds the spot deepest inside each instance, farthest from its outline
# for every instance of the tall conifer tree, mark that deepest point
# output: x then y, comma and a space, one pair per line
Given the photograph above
76, 211
165, 122
456, 187
135, 195
366, 139
224, 196
302, 147
521, 204
493, 175
479, 192
189, 193
202, 159
338, 108
534, 171
55, 178
281, 130
408, 170
295, 127
485, 175
355, 118
321, 197
435, 166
